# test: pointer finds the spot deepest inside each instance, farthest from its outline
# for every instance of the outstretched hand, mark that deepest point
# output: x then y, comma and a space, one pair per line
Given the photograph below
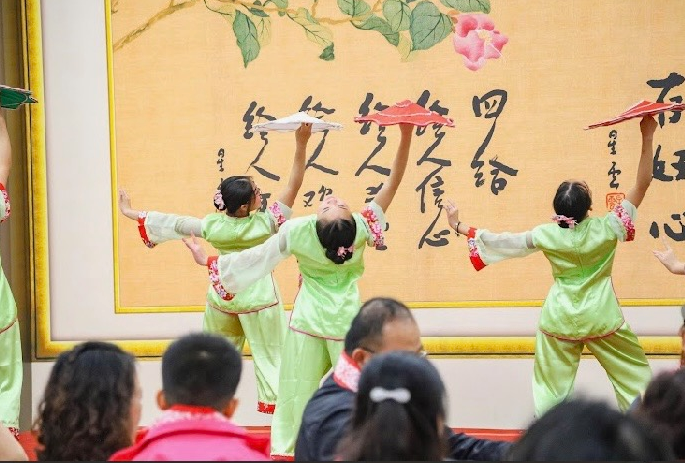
198, 251
648, 126
452, 214
302, 134
667, 257
125, 205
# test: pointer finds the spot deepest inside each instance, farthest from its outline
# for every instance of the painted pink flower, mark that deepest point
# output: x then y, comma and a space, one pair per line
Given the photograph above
476, 39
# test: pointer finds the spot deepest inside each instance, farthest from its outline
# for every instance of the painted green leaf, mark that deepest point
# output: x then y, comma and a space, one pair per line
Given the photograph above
263, 26
404, 48
376, 23
314, 31
398, 14
468, 6
282, 4
428, 26
221, 6
246, 37
257, 11
354, 7
328, 54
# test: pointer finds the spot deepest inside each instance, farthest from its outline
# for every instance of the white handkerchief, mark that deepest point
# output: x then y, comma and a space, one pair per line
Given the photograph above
291, 123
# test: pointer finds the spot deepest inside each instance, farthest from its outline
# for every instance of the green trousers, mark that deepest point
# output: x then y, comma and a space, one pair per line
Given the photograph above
556, 364
11, 374
306, 360
264, 330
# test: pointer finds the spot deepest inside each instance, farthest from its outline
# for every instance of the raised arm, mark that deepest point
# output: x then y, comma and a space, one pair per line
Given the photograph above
387, 193
157, 227
5, 151
233, 272
645, 167
486, 247
289, 194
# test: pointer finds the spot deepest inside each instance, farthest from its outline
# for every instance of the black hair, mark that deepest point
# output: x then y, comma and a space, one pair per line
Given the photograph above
586, 430
336, 234
388, 429
367, 326
573, 200
235, 191
663, 408
85, 413
201, 370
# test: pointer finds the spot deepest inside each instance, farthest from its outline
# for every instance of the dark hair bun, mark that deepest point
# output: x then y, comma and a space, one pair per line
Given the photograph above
333, 255
334, 236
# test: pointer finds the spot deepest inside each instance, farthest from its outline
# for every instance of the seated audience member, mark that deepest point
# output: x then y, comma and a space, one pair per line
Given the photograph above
662, 408
10, 449
381, 325
583, 430
92, 404
399, 412
200, 374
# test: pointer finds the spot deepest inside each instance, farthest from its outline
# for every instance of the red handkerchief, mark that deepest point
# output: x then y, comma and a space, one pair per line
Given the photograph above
640, 109
406, 112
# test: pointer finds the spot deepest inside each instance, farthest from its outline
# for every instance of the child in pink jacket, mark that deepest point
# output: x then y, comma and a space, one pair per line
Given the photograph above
200, 373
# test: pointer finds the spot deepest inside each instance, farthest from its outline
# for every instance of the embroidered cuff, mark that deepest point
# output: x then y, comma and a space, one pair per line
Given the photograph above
263, 407
142, 215
276, 211
374, 227
476, 261
213, 268
626, 220
6, 199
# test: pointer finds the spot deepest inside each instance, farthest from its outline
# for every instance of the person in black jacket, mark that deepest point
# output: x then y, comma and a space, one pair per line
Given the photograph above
381, 325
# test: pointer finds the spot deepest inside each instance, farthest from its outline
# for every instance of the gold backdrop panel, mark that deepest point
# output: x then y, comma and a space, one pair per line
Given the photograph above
189, 82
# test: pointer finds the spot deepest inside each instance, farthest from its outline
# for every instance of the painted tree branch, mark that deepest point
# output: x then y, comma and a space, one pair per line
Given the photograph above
172, 8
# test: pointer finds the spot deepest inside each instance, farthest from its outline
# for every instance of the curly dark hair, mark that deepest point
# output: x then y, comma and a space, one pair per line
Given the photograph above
85, 413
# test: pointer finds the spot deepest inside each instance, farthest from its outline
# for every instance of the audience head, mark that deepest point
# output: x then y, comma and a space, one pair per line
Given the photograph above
200, 370
238, 195
399, 411
336, 229
573, 200
92, 404
382, 325
662, 408
583, 430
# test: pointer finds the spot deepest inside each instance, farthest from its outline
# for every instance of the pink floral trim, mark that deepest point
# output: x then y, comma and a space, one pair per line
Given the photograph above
142, 215
276, 211
238, 312
6, 199
589, 338
263, 407
14, 432
213, 268
628, 223
311, 335
347, 373
374, 226
474, 255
